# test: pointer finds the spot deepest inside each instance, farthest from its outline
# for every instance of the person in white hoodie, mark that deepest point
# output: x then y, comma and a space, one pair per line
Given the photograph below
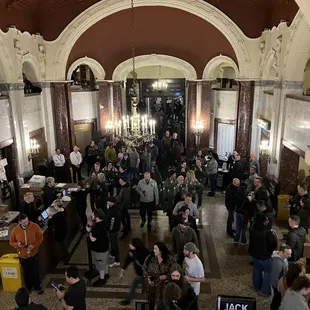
279, 269
294, 298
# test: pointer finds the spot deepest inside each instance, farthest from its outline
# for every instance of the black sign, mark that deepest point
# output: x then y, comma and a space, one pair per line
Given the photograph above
235, 303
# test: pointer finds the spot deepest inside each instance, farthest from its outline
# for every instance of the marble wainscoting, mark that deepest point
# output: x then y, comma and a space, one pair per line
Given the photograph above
117, 100
191, 113
244, 118
205, 114
103, 101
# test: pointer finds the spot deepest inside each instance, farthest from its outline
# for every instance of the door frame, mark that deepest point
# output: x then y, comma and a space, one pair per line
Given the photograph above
216, 124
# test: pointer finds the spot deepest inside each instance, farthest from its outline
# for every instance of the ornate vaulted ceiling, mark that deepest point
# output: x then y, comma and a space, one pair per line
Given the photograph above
50, 17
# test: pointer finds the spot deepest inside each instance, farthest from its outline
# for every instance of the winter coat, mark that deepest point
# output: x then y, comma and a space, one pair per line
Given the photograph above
180, 238
279, 268
296, 238
231, 197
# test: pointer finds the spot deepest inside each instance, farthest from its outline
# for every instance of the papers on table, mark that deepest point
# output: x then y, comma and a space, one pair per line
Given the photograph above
73, 189
4, 233
27, 185
59, 185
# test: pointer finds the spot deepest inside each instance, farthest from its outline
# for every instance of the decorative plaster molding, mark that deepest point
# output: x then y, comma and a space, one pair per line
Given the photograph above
212, 65
34, 64
106, 8
6, 61
122, 70
95, 66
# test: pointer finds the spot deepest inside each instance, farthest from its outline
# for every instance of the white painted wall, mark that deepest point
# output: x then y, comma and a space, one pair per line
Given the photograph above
84, 105
225, 104
6, 131
297, 123
32, 114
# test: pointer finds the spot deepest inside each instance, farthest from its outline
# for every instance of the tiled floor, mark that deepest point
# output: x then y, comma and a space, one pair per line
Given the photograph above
227, 266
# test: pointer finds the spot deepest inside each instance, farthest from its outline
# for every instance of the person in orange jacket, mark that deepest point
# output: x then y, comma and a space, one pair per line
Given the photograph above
26, 238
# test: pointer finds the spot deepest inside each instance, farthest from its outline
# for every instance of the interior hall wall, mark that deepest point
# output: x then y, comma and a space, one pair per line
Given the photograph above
85, 105
225, 104
297, 123
303, 170
6, 131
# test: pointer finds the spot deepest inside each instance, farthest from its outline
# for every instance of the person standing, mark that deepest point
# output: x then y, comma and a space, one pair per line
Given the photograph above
28, 207
193, 267
75, 297
154, 153
113, 224
263, 242
188, 203
165, 144
26, 239
149, 197
110, 153
123, 199
296, 238
102, 145
81, 203
238, 170
50, 192
250, 181
254, 162
134, 162
92, 155
137, 254
98, 236
279, 269
59, 165
212, 167
230, 204
241, 215
76, 161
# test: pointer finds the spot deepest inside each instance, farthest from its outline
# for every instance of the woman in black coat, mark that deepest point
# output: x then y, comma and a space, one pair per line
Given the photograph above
81, 203
58, 222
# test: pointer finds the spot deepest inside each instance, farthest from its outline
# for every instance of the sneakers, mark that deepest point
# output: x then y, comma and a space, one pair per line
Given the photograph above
115, 264
100, 282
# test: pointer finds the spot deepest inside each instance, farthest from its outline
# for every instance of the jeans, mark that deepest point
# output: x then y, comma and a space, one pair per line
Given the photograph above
133, 173
276, 300
230, 220
132, 291
125, 218
146, 208
76, 171
212, 178
30, 267
92, 201
199, 193
240, 229
114, 246
262, 282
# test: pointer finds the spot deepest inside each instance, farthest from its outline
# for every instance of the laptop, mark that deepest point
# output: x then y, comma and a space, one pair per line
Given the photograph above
44, 215
63, 193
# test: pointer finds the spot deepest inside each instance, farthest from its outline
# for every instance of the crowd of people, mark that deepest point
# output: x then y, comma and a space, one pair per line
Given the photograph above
120, 176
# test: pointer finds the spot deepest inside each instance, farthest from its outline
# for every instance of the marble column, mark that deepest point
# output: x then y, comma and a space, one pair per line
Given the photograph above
117, 100
64, 125
244, 118
205, 115
103, 100
191, 113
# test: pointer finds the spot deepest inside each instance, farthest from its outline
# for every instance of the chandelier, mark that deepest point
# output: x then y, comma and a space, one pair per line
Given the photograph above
134, 129
160, 85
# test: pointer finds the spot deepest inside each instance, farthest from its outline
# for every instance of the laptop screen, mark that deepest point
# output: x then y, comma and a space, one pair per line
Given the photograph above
44, 215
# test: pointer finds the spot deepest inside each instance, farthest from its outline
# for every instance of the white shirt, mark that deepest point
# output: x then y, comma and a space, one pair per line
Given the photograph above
194, 269
59, 160
76, 158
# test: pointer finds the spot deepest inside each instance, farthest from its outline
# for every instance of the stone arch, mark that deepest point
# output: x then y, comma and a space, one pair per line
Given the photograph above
6, 64
214, 63
31, 68
94, 65
105, 8
297, 53
123, 69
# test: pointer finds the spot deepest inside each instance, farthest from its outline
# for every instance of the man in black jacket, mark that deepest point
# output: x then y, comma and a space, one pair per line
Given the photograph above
263, 242
123, 199
238, 170
27, 207
296, 238
230, 203
113, 224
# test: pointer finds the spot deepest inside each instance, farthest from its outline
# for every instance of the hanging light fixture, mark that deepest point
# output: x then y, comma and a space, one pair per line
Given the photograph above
134, 129
160, 85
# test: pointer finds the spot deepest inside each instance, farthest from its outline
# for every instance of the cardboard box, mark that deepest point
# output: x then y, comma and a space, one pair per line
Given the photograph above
37, 181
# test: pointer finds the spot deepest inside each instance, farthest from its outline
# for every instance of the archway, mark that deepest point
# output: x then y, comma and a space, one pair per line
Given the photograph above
220, 63
122, 71
103, 9
30, 67
93, 64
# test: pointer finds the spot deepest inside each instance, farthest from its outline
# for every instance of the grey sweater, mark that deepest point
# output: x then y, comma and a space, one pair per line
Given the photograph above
212, 166
148, 192
179, 238
279, 268
293, 301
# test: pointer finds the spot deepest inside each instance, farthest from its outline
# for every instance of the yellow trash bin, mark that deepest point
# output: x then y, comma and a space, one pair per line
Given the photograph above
283, 207
10, 272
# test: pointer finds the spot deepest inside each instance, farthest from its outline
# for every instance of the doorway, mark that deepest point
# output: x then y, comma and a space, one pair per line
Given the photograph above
225, 138
83, 134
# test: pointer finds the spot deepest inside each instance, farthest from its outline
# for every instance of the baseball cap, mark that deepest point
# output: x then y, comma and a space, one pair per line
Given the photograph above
191, 247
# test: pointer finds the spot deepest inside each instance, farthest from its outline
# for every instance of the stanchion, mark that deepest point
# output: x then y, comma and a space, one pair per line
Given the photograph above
91, 272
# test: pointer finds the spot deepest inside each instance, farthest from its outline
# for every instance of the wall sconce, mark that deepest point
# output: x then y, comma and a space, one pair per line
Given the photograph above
34, 149
198, 130
307, 155
264, 147
109, 127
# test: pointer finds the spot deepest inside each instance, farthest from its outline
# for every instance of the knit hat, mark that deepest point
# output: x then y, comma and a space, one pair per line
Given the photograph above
191, 247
